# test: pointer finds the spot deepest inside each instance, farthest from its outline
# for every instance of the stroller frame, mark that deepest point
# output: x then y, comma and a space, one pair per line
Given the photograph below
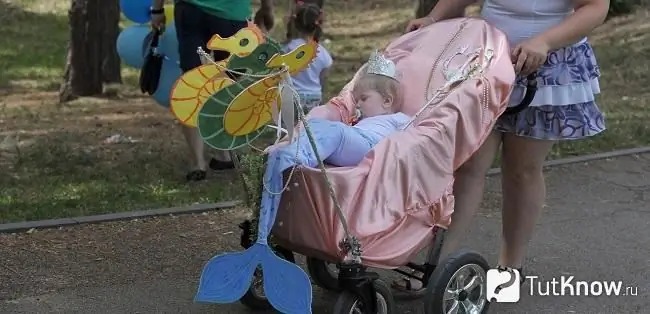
354, 277
354, 280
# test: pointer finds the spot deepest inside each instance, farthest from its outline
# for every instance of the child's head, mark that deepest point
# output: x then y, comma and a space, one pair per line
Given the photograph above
377, 91
376, 94
306, 21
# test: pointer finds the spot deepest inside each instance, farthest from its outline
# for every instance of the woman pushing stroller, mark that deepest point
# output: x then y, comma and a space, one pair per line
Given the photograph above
549, 38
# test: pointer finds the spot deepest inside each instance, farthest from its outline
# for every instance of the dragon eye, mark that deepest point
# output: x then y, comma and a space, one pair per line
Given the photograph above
300, 55
263, 57
243, 42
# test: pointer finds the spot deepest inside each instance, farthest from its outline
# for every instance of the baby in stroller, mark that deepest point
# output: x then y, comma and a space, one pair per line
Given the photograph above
377, 93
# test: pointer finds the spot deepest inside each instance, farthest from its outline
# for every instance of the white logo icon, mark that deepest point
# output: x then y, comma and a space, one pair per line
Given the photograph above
503, 285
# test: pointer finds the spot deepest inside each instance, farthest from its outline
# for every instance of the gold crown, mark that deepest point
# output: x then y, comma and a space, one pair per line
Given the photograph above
378, 64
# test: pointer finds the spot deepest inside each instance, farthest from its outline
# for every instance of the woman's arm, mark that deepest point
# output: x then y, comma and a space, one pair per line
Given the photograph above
588, 15
449, 9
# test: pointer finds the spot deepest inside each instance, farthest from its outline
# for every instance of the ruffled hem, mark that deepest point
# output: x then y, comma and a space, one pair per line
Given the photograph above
569, 76
551, 137
559, 95
570, 122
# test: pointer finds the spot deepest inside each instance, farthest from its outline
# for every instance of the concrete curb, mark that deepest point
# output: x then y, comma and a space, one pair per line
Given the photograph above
64, 222
54, 223
585, 158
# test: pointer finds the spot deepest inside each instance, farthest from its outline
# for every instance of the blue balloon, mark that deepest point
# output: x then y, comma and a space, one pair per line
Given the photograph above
168, 44
169, 74
132, 45
136, 10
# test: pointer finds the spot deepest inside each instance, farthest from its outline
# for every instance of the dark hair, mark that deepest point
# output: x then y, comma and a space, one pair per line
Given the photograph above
306, 20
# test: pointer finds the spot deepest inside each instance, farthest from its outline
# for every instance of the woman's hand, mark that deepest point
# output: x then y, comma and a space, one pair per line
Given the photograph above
529, 55
419, 23
158, 20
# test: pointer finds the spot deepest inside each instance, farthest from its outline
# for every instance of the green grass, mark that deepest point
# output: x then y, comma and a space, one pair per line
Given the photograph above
69, 171
32, 45
59, 166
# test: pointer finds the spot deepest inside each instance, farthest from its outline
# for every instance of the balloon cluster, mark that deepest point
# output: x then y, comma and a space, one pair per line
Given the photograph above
134, 42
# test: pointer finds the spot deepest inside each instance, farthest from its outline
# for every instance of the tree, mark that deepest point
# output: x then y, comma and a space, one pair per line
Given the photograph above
91, 60
111, 70
424, 7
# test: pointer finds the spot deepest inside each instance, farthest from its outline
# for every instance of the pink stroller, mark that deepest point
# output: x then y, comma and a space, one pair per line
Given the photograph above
457, 77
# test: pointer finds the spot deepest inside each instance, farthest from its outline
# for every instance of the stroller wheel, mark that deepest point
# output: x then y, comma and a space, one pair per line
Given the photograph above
324, 274
255, 299
458, 285
349, 303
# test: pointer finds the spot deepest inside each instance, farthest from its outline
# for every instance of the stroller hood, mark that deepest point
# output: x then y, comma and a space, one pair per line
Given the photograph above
402, 190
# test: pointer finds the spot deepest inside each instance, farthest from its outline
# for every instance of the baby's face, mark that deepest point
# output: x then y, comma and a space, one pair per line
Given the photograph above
372, 103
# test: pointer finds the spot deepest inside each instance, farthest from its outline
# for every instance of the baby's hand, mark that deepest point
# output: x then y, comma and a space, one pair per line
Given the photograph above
275, 146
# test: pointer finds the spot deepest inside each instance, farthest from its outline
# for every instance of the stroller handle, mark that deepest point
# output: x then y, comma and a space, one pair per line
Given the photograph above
531, 89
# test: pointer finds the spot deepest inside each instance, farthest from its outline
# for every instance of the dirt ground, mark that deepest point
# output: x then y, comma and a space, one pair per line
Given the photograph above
116, 253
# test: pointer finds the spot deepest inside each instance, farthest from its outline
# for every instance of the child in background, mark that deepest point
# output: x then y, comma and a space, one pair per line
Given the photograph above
305, 24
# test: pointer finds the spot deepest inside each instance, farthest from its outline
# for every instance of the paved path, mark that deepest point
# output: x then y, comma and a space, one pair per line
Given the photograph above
596, 227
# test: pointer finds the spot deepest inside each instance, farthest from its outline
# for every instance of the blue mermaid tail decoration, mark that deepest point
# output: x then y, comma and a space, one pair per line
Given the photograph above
227, 277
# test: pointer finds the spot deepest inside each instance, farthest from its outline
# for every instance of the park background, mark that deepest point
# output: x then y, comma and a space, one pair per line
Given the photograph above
58, 157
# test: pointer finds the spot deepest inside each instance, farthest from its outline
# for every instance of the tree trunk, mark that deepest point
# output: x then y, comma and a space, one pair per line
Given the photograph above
111, 63
424, 7
83, 70
65, 91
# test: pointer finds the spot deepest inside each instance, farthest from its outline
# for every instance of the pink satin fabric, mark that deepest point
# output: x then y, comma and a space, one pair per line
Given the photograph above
403, 188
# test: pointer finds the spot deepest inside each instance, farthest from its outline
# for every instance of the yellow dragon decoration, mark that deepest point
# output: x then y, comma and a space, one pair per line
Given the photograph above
244, 105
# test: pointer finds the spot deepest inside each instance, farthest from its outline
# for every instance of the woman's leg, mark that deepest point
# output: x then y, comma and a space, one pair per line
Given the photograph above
524, 192
194, 28
196, 146
189, 31
469, 184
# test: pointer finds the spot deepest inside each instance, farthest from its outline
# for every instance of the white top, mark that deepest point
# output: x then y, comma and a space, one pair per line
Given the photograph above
523, 19
307, 82
379, 127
